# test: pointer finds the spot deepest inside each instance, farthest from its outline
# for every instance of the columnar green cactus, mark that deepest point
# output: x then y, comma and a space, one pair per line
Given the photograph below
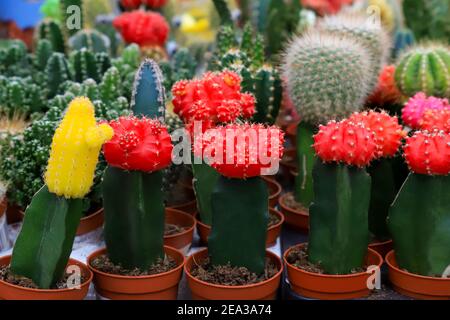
84, 65
67, 15
92, 40
223, 11
14, 60
51, 30
181, 66
424, 68
370, 34
44, 50
110, 86
103, 62
148, 97
57, 71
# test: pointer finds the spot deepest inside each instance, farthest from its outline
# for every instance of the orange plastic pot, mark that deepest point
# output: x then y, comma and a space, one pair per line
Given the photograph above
298, 219
417, 286
274, 189
88, 223
182, 240
13, 292
201, 290
331, 287
272, 233
163, 286
382, 248
189, 206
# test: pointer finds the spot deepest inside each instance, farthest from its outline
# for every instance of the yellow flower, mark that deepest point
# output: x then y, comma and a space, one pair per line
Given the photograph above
75, 149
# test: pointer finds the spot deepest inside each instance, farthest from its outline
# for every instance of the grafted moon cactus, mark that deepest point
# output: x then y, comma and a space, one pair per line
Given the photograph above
436, 119
416, 106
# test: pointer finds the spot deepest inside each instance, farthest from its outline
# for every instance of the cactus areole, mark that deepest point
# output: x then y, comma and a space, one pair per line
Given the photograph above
45, 241
240, 197
419, 219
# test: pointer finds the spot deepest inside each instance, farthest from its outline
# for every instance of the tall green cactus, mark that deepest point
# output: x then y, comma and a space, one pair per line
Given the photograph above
45, 241
419, 221
239, 223
148, 97
57, 71
103, 62
84, 65
339, 232
44, 50
139, 211
69, 9
181, 66
92, 40
223, 11
304, 190
205, 178
51, 30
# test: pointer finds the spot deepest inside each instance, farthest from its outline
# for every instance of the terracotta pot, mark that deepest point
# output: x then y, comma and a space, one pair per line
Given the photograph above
88, 223
201, 290
291, 133
298, 219
189, 206
382, 248
330, 287
3, 205
13, 292
414, 285
272, 233
274, 189
163, 286
183, 240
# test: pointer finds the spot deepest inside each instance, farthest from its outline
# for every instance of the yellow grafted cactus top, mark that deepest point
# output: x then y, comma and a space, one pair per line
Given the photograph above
75, 149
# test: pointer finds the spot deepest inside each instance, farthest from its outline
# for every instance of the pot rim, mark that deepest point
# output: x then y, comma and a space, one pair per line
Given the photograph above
221, 286
187, 231
273, 210
329, 276
117, 276
285, 207
380, 243
277, 187
77, 262
391, 255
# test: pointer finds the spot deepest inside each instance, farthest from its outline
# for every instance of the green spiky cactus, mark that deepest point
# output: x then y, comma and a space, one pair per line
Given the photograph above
304, 190
239, 220
327, 76
182, 66
84, 65
148, 98
370, 34
92, 40
57, 71
103, 62
424, 68
106, 27
223, 11
403, 38
71, 16
14, 59
339, 233
44, 50
51, 30
110, 85
419, 221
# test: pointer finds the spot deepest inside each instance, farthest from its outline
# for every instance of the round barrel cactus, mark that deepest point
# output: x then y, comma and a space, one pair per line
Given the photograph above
424, 68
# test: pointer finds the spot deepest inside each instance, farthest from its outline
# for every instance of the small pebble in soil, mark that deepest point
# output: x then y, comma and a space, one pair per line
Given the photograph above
290, 202
231, 276
171, 229
102, 263
299, 258
7, 276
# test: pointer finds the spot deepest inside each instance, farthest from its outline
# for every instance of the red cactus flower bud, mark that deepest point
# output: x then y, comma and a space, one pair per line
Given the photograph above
242, 151
138, 144
345, 141
215, 98
386, 92
154, 4
428, 153
388, 132
143, 28
130, 4
436, 119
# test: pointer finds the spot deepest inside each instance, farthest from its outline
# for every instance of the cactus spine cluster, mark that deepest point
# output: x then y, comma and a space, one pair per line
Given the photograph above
57, 71
45, 241
84, 66
51, 31
424, 68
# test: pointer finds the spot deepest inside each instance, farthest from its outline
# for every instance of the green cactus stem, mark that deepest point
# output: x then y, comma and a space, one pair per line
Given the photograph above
205, 178
339, 231
92, 40
223, 11
239, 223
137, 213
419, 221
84, 66
45, 241
148, 97
103, 62
304, 186
383, 193
51, 30
57, 71
44, 50
403, 38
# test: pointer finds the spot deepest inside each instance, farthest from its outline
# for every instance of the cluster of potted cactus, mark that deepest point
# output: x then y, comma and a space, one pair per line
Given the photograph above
172, 155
